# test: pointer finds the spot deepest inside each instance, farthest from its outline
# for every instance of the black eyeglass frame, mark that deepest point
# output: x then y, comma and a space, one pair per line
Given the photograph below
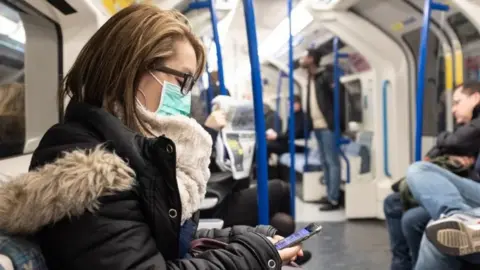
188, 79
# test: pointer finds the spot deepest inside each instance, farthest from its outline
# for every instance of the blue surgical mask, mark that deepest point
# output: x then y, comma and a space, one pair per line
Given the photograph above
172, 101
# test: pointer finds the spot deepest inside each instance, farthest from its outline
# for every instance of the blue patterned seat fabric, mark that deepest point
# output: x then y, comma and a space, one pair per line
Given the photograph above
24, 254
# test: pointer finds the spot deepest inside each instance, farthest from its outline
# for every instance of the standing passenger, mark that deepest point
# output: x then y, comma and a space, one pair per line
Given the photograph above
320, 109
118, 184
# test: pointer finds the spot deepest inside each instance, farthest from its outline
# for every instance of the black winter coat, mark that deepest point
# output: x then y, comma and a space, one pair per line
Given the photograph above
301, 119
117, 206
463, 141
324, 91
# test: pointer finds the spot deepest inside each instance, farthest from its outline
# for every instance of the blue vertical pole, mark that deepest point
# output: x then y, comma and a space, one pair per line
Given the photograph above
422, 62
262, 172
216, 38
291, 122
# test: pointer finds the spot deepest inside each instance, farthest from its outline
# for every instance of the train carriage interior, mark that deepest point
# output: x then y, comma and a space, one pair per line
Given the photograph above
398, 64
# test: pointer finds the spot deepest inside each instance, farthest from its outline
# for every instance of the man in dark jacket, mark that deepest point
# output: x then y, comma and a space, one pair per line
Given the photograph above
320, 108
278, 143
406, 228
443, 193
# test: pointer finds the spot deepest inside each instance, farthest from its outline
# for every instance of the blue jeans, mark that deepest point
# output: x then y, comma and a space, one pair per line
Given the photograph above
414, 222
405, 231
330, 162
440, 191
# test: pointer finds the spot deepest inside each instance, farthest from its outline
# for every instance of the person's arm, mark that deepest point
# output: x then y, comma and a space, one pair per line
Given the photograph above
433, 153
106, 240
225, 235
462, 141
212, 132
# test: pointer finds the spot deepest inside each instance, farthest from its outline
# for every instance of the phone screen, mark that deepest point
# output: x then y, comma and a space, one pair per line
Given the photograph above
298, 236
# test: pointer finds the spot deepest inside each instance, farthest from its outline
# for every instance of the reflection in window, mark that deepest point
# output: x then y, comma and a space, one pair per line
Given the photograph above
469, 38
12, 90
434, 92
465, 30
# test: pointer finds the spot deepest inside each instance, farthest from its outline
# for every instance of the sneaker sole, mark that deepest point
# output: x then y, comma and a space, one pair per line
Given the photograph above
454, 238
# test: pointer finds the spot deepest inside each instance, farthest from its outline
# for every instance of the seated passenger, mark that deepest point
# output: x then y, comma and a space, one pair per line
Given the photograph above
441, 192
270, 118
118, 184
278, 144
240, 207
320, 101
406, 229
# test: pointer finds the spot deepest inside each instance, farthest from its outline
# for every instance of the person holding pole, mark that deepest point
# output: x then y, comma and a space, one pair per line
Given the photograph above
320, 110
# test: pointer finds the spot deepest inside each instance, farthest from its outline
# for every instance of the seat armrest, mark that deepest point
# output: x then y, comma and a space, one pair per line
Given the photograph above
212, 223
209, 203
300, 142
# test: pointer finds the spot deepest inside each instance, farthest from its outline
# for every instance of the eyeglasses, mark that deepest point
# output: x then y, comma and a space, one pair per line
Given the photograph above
188, 79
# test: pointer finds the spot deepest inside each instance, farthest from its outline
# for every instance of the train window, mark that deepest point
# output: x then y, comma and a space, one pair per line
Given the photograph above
465, 30
470, 39
12, 82
354, 101
29, 77
434, 117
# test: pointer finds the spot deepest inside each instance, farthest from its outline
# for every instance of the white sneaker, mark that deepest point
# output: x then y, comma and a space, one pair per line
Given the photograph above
456, 235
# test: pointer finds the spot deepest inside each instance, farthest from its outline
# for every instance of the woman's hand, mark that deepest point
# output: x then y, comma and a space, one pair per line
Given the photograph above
271, 135
287, 254
216, 120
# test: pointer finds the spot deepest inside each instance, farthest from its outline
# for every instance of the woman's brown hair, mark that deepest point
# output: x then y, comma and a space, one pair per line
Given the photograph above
108, 69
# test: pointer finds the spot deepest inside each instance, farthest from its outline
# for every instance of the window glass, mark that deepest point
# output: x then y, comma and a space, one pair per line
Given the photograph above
465, 30
30, 72
470, 39
433, 114
12, 87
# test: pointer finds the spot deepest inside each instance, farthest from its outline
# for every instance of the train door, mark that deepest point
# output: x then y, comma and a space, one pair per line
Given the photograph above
403, 23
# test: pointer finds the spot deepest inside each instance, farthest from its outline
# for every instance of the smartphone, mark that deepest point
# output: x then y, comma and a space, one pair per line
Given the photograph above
299, 236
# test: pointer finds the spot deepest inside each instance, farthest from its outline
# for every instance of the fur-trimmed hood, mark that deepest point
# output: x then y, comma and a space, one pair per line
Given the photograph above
73, 183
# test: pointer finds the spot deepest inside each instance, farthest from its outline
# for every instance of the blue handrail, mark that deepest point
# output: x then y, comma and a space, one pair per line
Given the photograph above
386, 168
262, 169
336, 104
291, 122
209, 94
216, 38
422, 62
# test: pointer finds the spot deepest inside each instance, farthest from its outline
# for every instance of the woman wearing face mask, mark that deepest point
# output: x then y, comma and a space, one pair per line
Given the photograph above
118, 183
